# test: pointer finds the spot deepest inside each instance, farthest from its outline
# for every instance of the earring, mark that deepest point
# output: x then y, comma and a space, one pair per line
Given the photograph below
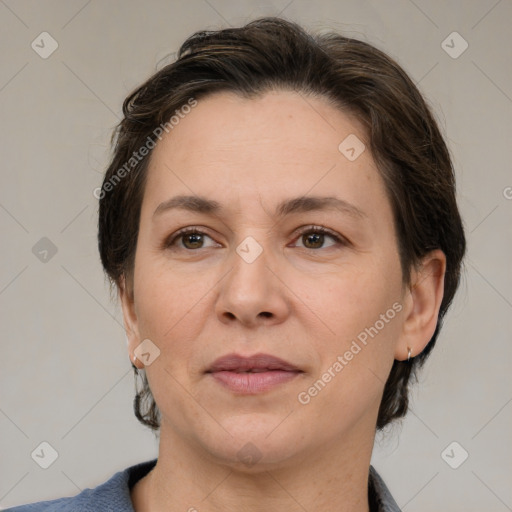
408, 354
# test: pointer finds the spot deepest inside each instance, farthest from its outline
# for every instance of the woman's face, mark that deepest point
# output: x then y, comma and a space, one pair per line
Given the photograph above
258, 279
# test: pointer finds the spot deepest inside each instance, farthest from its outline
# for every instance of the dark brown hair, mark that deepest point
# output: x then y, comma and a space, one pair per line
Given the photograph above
271, 54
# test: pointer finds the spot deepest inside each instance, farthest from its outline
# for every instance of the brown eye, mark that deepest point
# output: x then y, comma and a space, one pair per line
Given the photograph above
191, 239
314, 237
194, 239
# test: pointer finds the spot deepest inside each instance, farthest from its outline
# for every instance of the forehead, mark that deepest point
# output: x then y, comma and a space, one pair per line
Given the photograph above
282, 143
286, 124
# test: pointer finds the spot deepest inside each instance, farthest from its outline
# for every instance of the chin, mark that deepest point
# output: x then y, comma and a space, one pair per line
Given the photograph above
255, 444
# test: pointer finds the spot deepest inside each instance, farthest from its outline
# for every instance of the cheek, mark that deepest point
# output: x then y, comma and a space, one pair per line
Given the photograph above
361, 310
350, 301
356, 360
167, 312
166, 306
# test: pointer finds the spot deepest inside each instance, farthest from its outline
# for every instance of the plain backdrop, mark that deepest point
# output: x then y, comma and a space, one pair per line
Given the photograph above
65, 375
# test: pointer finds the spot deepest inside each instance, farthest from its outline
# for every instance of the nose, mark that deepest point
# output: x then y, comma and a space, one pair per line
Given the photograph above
252, 293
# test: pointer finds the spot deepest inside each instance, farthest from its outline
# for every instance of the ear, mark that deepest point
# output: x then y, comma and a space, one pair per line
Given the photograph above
422, 302
126, 297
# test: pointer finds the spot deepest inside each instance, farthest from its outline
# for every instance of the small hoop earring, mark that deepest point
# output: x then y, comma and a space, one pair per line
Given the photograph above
408, 354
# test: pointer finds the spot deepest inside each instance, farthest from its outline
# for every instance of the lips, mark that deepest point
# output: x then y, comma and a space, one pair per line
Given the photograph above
254, 364
252, 375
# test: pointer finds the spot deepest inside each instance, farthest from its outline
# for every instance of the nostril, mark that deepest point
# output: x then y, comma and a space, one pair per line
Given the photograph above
266, 314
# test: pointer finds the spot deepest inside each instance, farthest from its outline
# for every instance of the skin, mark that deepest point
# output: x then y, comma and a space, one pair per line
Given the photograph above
300, 300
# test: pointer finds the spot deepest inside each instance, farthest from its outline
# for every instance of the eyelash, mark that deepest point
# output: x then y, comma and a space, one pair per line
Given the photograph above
308, 229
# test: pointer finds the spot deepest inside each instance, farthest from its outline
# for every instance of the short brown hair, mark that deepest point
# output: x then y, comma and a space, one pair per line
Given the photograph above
272, 54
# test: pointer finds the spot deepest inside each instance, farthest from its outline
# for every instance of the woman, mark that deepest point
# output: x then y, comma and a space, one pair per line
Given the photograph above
279, 220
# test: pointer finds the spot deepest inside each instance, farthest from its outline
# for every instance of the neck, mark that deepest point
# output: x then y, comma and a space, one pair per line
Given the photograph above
331, 478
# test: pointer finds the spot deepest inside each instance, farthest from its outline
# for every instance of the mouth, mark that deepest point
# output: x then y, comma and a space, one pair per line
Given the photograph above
252, 375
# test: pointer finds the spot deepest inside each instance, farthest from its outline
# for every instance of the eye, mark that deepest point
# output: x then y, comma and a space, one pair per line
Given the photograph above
314, 237
191, 239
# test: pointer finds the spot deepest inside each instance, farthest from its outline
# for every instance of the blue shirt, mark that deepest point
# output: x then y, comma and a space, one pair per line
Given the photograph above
114, 495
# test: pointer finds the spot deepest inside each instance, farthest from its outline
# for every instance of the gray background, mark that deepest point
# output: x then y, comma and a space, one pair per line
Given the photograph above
65, 374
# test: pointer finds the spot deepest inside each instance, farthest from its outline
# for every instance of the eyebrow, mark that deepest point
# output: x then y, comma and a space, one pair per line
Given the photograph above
301, 204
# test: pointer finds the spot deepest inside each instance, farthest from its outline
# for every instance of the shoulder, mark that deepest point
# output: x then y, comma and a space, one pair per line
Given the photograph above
111, 496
